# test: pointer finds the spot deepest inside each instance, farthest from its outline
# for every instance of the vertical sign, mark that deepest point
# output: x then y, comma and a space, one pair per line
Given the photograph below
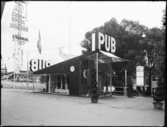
140, 76
19, 19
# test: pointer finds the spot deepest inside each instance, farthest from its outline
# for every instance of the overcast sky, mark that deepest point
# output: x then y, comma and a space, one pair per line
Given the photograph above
64, 23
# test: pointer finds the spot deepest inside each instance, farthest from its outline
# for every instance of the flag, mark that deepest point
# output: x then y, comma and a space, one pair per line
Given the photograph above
5, 70
39, 46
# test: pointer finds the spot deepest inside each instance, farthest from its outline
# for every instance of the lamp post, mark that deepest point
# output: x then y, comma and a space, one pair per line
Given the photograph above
150, 60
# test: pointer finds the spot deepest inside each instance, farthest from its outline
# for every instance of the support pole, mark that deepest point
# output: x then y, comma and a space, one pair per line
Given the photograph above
69, 38
111, 78
33, 82
97, 67
14, 62
49, 83
37, 83
27, 68
125, 89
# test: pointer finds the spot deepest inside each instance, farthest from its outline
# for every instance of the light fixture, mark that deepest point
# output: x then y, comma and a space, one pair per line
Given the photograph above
143, 35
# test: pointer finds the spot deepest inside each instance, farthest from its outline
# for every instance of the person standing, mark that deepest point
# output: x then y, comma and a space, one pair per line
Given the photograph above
130, 86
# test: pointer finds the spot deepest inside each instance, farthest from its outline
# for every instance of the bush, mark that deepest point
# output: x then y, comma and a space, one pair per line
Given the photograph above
159, 94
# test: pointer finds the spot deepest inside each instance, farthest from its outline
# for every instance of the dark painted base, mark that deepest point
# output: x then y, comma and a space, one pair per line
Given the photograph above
157, 105
94, 100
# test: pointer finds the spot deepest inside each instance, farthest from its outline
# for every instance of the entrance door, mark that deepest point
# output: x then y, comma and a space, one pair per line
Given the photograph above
74, 84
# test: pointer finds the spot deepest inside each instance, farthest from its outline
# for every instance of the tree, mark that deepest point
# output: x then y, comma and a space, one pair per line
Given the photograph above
127, 35
148, 51
43, 78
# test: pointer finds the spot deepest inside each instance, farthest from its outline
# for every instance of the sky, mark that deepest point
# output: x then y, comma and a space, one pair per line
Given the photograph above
65, 23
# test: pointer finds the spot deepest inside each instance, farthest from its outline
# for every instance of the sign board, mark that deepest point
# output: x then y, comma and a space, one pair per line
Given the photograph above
37, 64
19, 20
103, 42
19, 16
140, 76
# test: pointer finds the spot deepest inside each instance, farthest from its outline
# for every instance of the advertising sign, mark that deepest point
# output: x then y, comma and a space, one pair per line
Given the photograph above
19, 39
19, 16
103, 42
140, 76
19, 20
37, 64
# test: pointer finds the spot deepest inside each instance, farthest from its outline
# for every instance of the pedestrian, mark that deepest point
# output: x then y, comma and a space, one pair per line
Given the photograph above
130, 86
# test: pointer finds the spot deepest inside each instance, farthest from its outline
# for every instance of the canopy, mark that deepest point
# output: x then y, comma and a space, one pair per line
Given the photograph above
113, 57
64, 67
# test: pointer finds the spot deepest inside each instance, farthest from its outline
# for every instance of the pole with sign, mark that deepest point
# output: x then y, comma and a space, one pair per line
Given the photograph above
140, 76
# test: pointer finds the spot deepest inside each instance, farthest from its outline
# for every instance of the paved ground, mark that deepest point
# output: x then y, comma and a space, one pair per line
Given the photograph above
22, 107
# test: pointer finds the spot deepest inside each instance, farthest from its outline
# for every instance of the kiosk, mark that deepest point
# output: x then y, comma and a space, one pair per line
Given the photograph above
73, 76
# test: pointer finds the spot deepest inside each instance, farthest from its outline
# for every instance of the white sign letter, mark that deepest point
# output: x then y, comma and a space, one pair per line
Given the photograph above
100, 40
107, 43
113, 45
34, 65
93, 41
47, 63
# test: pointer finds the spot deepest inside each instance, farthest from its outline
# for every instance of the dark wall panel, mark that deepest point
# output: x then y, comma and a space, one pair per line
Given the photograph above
74, 84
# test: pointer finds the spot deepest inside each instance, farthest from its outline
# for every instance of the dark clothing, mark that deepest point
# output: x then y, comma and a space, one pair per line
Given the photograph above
130, 88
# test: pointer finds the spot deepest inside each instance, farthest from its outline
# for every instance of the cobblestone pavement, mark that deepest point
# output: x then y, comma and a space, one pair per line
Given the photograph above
22, 107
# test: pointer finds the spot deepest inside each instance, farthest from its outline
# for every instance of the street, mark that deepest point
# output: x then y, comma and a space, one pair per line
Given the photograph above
22, 107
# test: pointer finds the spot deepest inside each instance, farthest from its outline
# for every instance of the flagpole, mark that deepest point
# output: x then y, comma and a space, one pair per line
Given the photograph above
37, 75
27, 68
39, 49
69, 38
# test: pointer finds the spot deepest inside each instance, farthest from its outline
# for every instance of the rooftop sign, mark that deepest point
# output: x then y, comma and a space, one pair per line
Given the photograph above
103, 42
38, 64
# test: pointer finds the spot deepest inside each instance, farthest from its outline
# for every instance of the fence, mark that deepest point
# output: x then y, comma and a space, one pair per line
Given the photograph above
23, 85
122, 91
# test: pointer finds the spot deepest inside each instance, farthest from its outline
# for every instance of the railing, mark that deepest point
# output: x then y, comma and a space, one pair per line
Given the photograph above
122, 91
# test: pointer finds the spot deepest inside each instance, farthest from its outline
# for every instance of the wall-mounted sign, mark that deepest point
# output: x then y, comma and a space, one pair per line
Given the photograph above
72, 68
37, 64
140, 76
103, 42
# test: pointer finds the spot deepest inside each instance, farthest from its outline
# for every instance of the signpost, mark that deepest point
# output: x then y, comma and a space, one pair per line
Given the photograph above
140, 76
19, 18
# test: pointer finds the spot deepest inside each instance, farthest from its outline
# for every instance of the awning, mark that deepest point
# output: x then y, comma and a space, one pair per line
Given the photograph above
64, 67
113, 57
